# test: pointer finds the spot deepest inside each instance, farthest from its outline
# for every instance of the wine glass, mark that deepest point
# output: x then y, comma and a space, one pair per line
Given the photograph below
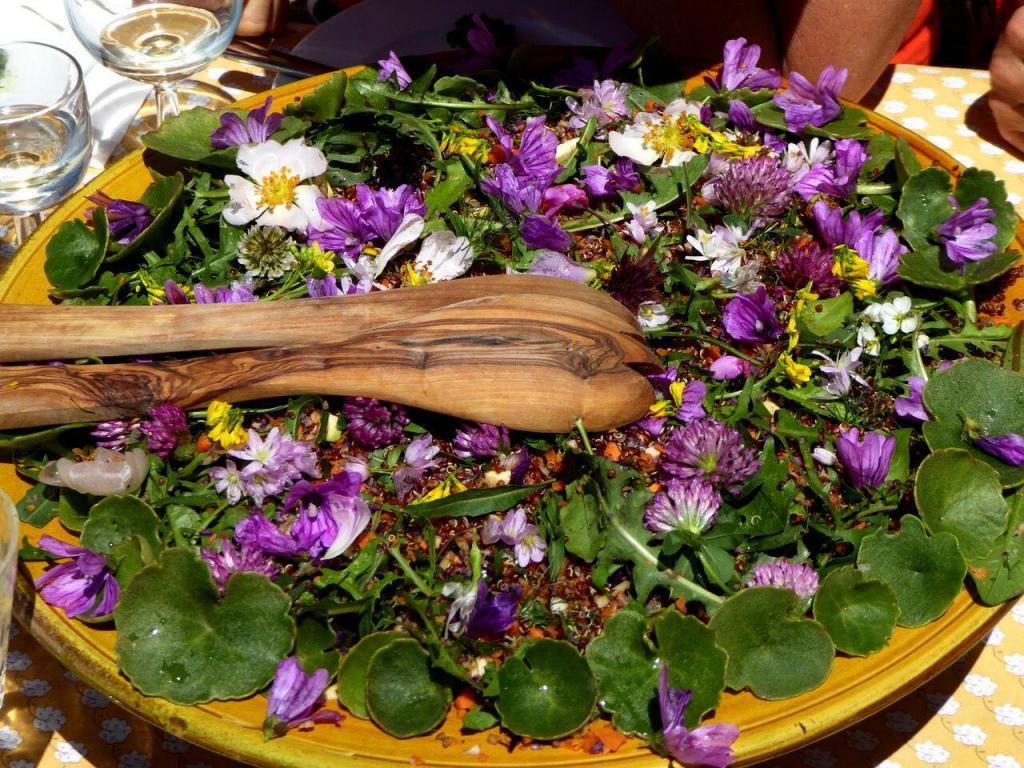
154, 41
45, 131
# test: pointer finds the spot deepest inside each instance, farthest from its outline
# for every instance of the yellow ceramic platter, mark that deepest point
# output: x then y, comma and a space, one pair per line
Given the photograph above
856, 688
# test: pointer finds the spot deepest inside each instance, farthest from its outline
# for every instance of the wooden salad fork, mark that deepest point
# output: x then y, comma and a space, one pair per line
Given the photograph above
498, 359
67, 332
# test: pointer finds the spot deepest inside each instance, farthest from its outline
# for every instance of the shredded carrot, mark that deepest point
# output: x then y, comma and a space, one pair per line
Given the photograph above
654, 487
610, 737
465, 701
612, 451
203, 443
365, 538
535, 632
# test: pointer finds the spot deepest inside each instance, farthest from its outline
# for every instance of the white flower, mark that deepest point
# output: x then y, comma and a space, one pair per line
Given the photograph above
801, 157
842, 372
723, 243
656, 136
1001, 761
565, 150
867, 339
923, 339
1009, 715
35, 688
93, 699
462, 606
114, 731
930, 752
823, 455
741, 278
70, 751
644, 221
9, 738
901, 722
408, 232
443, 256
133, 759
18, 661
943, 704
651, 314
272, 195
48, 719
861, 740
815, 757
979, 685
971, 735
898, 316
1015, 664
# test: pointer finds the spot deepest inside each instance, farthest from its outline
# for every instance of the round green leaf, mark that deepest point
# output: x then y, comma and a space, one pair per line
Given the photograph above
352, 673
926, 572
695, 662
999, 575
179, 639
626, 668
989, 394
75, 252
959, 494
546, 691
403, 694
117, 518
771, 652
859, 614
924, 205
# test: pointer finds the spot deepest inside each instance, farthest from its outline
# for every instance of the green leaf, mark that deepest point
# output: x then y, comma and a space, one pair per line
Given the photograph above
770, 651
975, 183
75, 252
475, 502
999, 575
187, 137
73, 509
314, 646
982, 391
455, 181
695, 661
546, 691
961, 495
929, 269
324, 103
478, 719
823, 317
352, 672
858, 613
924, 205
403, 694
162, 197
851, 123
17, 442
626, 668
926, 572
117, 518
39, 505
179, 639
907, 163
580, 520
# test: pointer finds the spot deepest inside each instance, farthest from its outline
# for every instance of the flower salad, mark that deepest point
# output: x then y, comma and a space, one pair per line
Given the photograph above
836, 443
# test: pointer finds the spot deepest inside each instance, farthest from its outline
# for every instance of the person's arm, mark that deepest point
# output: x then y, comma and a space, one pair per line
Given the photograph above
262, 16
1007, 72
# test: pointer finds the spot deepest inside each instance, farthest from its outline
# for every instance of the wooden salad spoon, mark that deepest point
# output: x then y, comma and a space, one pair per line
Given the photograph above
65, 332
498, 359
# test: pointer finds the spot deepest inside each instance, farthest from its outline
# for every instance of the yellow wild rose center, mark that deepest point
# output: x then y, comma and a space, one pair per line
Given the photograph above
277, 188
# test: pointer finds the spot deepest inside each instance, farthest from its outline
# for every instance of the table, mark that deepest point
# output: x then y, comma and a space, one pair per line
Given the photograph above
970, 716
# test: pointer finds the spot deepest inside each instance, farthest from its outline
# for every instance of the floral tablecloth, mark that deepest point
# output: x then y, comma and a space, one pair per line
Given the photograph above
970, 716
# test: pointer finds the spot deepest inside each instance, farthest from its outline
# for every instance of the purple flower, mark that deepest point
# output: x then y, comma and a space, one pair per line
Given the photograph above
555, 264
729, 367
754, 187
805, 104
912, 407
296, 698
420, 455
866, 459
392, 67
605, 182
690, 403
1008, 448
274, 463
562, 196
544, 233
480, 440
709, 450
493, 612
257, 533
114, 435
164, 427
517, 193
780, 572
173, 293
534, 159
228, 481
331, 514
838, 179
83, 587
807, 262
236, 293
967, 234
229, 561
325, 287
374, 424
125, 219
374, 216
880, 248
258, 127
842, 371
605, 103
516, 532
751, 318
709, 745
741, 116
686, 506
740, 70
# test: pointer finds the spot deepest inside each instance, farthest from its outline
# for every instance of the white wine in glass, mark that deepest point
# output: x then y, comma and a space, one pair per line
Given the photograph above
159, 43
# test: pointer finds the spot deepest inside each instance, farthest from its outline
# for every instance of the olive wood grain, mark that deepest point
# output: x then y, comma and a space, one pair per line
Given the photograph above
65, 332
491, 360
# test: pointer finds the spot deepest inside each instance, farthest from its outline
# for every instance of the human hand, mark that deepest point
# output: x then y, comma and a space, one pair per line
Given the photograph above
1007, 73
261, 17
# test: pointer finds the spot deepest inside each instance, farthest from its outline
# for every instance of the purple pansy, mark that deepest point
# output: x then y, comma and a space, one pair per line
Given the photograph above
605, 103
740, 70
866, 458
125, 219
480, 440
391, 67
374, 216
687, 506
729, 367
709, 450
296, 698
420, 455
255, 532
555, 264
839, 178
751, 318
331, 515
229, 561
85, 586
544, 233
164, 427
259, 125
780, 572
912, 406
236, 293
518, 194
493, 612
1008, 448
605, 182
534, 158
805, 104
708, 745
374, 424
967, 234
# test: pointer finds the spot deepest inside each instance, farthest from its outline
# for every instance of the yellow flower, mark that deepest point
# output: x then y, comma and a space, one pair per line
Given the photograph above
313, 257
802, 297
413, 278
676, 390
854, 270
224, 424
154, 290
660, 408
864, 287
449, 486
465, 144
798, 373
794, 339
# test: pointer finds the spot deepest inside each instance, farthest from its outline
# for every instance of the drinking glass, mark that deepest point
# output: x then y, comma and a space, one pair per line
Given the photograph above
45, 133
154, 41
8, 568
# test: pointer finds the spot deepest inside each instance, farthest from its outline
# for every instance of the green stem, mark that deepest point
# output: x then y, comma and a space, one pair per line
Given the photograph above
874, 189
450, 104
410, 574
584, 437
220, 193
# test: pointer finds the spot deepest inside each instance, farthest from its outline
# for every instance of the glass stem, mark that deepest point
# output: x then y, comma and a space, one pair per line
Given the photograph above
24, 226
166, 103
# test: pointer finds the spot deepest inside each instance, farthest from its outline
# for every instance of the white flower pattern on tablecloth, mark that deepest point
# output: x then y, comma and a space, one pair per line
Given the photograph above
174, 745
931, 753
94, 699
21, 764
18, 661
35, 688
861, 740
70, 751
815, 757
48, 719
9, 738
133, 760
901, 722
1009, 715
995, 637
114, 731
1002, 761
971, 735
980, 685
943, 704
